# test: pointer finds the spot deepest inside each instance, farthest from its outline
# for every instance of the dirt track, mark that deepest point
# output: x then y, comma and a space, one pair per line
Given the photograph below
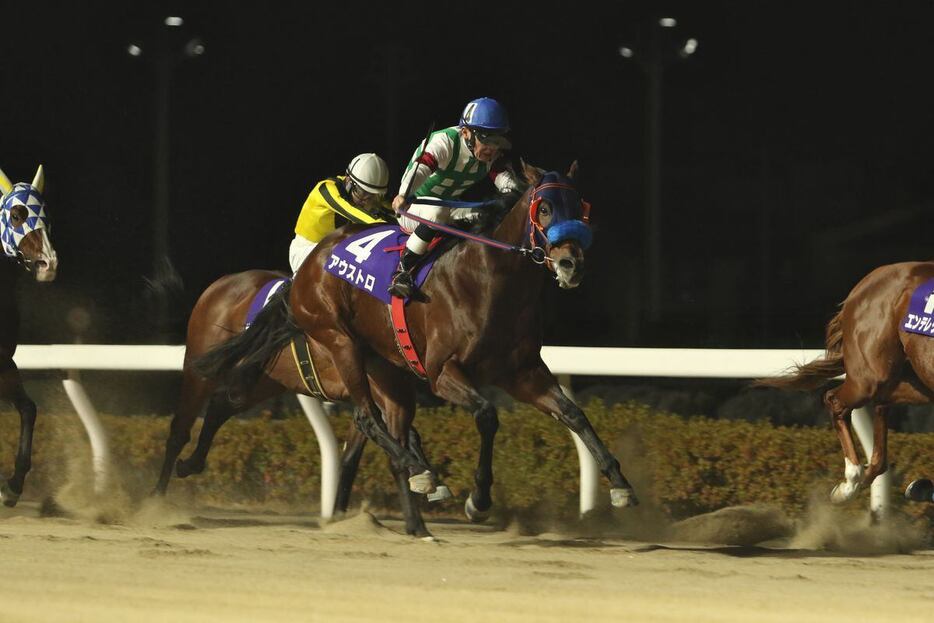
230, 567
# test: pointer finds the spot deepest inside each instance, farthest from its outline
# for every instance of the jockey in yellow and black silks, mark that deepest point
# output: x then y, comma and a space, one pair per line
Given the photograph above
357, 197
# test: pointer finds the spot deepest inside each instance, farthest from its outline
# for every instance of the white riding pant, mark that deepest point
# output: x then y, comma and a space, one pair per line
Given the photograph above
300, 248
436, 214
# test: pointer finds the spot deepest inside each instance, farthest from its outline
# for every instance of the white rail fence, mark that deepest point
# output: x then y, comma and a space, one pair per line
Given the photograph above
564, 361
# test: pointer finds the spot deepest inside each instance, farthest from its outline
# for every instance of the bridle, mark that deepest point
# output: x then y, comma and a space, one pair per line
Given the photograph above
535, 251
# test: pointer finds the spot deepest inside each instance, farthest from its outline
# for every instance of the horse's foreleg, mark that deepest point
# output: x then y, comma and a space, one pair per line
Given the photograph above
453, 385
350, 463
539, 388
838, 405
11, 386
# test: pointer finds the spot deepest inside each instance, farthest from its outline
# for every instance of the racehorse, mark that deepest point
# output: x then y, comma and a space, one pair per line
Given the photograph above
873, 340
217, 320
479, 322
24, 232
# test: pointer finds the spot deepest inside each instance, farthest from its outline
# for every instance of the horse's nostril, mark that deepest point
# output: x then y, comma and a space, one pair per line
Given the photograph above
566, 263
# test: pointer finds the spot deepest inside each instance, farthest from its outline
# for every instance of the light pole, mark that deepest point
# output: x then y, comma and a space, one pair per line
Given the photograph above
170, 45
656, 48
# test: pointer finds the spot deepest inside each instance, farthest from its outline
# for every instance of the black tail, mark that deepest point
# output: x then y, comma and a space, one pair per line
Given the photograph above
238, 363
165, 302
819, 372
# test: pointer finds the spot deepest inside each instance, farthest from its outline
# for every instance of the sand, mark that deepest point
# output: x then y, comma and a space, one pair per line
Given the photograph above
162, 563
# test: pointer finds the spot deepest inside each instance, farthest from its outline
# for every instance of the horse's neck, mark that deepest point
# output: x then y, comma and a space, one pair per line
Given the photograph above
515, 280
514, 227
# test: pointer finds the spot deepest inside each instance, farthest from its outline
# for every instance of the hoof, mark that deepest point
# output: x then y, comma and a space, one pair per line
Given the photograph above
842, 492
474, 514
187, 467
621, 498
440, 494
8, 496
921, 490
423, 483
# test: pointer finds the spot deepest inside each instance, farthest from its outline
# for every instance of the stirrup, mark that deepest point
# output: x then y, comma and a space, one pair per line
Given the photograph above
402, 284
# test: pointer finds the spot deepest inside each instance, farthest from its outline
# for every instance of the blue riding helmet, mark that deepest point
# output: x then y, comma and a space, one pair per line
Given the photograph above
485, 114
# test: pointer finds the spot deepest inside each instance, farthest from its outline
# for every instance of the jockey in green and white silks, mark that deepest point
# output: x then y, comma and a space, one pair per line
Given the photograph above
452, 160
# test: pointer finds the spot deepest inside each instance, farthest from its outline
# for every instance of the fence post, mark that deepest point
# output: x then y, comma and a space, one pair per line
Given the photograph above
880, 497
100, 450
330, 456
589, 472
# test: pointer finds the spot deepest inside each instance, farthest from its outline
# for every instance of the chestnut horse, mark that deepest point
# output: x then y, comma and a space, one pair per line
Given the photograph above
217, 320
884, 364
24, 232
478, 322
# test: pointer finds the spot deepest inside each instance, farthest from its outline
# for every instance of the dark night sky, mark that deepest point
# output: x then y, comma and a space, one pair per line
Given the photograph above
795, 147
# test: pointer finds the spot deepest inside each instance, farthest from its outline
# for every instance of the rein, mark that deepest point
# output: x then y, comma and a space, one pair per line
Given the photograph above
534, 252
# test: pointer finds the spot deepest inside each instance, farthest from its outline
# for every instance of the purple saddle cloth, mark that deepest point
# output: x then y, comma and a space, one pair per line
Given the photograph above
368, 259
260, 299
920, 316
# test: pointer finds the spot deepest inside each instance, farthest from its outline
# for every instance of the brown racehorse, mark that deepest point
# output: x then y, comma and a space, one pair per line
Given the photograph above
218, 318
24, 229
481, 324
884, 364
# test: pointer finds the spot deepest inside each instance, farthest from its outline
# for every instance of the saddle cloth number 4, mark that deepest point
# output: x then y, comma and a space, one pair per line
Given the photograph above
363, 247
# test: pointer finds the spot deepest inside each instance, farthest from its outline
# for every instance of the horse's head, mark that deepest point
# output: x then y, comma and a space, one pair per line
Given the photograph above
24, 226
559, 222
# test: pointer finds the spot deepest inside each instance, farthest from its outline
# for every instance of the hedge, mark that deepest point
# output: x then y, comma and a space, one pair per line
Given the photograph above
683, 466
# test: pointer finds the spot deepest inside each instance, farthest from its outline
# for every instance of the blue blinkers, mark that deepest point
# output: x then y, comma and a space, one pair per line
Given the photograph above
569, 212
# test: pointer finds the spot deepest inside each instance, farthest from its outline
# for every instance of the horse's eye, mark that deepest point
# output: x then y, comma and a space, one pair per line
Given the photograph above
18, 214
544, 210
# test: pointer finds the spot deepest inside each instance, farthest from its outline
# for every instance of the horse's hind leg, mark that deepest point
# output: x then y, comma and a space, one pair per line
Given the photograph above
840, 403
348, 359
878, 462
194, 393
350, 463
11, 388
219, 411
908, 391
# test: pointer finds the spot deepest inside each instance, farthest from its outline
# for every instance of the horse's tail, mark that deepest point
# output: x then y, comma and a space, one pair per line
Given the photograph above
238, 363
165, 301
816, 373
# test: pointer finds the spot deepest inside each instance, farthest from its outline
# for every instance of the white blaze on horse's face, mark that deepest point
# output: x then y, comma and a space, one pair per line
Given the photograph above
567, 260
46, 264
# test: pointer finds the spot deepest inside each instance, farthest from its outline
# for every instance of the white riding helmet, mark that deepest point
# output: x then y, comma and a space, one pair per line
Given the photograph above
369, 172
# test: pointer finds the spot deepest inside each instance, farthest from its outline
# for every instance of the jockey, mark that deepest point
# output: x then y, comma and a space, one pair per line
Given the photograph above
453, 160
357, 197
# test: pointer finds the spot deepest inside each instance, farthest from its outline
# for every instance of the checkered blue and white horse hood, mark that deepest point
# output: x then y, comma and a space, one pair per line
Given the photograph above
23, 213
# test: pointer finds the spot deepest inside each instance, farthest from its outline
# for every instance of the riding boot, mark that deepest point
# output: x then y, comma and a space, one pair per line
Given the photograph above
403, 280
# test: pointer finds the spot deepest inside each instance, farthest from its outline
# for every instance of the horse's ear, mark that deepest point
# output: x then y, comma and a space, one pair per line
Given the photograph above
533, 175
38, 182
5, 184
572, 171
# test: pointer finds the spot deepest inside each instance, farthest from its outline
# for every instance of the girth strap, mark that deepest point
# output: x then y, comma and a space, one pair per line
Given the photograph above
403, 339
301, 354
